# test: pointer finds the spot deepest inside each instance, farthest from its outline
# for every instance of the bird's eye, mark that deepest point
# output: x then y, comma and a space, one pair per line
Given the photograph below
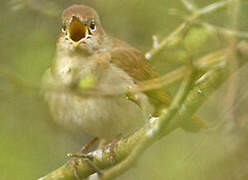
93, 25
63, 29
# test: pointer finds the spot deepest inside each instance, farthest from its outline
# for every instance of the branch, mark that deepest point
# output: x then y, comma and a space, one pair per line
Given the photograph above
17, 80
195, 15
225, 31
204, 63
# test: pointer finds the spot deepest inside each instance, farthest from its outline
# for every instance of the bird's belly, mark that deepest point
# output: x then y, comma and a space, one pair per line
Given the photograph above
103, 117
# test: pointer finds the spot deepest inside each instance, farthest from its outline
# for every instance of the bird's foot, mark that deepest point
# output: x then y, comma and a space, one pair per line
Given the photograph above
86, 157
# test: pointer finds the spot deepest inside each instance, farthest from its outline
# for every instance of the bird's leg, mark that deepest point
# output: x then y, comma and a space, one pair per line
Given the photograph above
84, 150
85, 156
86, 147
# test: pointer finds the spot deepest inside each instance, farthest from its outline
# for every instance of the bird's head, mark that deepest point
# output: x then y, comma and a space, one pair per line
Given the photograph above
81, 29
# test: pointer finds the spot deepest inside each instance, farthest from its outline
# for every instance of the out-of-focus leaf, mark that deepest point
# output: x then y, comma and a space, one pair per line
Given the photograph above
196, 38
88, 82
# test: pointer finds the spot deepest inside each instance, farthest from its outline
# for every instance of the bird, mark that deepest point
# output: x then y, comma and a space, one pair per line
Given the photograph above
87, 83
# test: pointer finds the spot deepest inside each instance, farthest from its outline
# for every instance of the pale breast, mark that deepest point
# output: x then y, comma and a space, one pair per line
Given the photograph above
100, 116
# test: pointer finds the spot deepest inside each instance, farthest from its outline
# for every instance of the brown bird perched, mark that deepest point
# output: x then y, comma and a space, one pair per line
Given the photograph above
89, 66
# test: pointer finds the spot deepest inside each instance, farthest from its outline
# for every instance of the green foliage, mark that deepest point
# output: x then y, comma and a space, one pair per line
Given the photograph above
196, 38
88, 82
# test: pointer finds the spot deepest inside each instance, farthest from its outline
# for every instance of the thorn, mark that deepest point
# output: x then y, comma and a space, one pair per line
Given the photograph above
155, 41
189, 5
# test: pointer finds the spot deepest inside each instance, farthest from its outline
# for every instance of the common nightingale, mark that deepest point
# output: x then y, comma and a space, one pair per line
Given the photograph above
88, 67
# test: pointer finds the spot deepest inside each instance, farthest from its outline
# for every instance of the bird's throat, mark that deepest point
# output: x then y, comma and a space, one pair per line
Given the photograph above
77, 30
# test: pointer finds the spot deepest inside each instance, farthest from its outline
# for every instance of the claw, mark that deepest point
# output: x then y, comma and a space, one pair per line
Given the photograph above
85, 156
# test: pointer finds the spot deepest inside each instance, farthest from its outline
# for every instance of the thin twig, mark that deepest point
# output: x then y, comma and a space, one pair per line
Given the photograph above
225, 31
17, 80
203, 63
206, 10
189, 5
232, 88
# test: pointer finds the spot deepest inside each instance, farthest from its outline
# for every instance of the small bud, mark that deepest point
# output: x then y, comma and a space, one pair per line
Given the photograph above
155, 41
148, 56
87, 82
196, 38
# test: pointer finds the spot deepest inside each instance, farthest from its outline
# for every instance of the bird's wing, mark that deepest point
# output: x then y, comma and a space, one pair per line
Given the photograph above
135, 65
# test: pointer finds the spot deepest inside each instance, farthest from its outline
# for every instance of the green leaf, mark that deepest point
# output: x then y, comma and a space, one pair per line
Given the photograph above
196, 38
87, 82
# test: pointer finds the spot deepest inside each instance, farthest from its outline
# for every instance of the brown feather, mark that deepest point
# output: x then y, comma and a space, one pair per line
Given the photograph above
135, 65
80, 11
133, 62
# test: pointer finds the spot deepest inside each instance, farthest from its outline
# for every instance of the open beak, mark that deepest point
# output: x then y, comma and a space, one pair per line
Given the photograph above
77, 31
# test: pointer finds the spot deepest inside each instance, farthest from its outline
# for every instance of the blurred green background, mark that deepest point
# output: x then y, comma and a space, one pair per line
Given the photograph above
31, 145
